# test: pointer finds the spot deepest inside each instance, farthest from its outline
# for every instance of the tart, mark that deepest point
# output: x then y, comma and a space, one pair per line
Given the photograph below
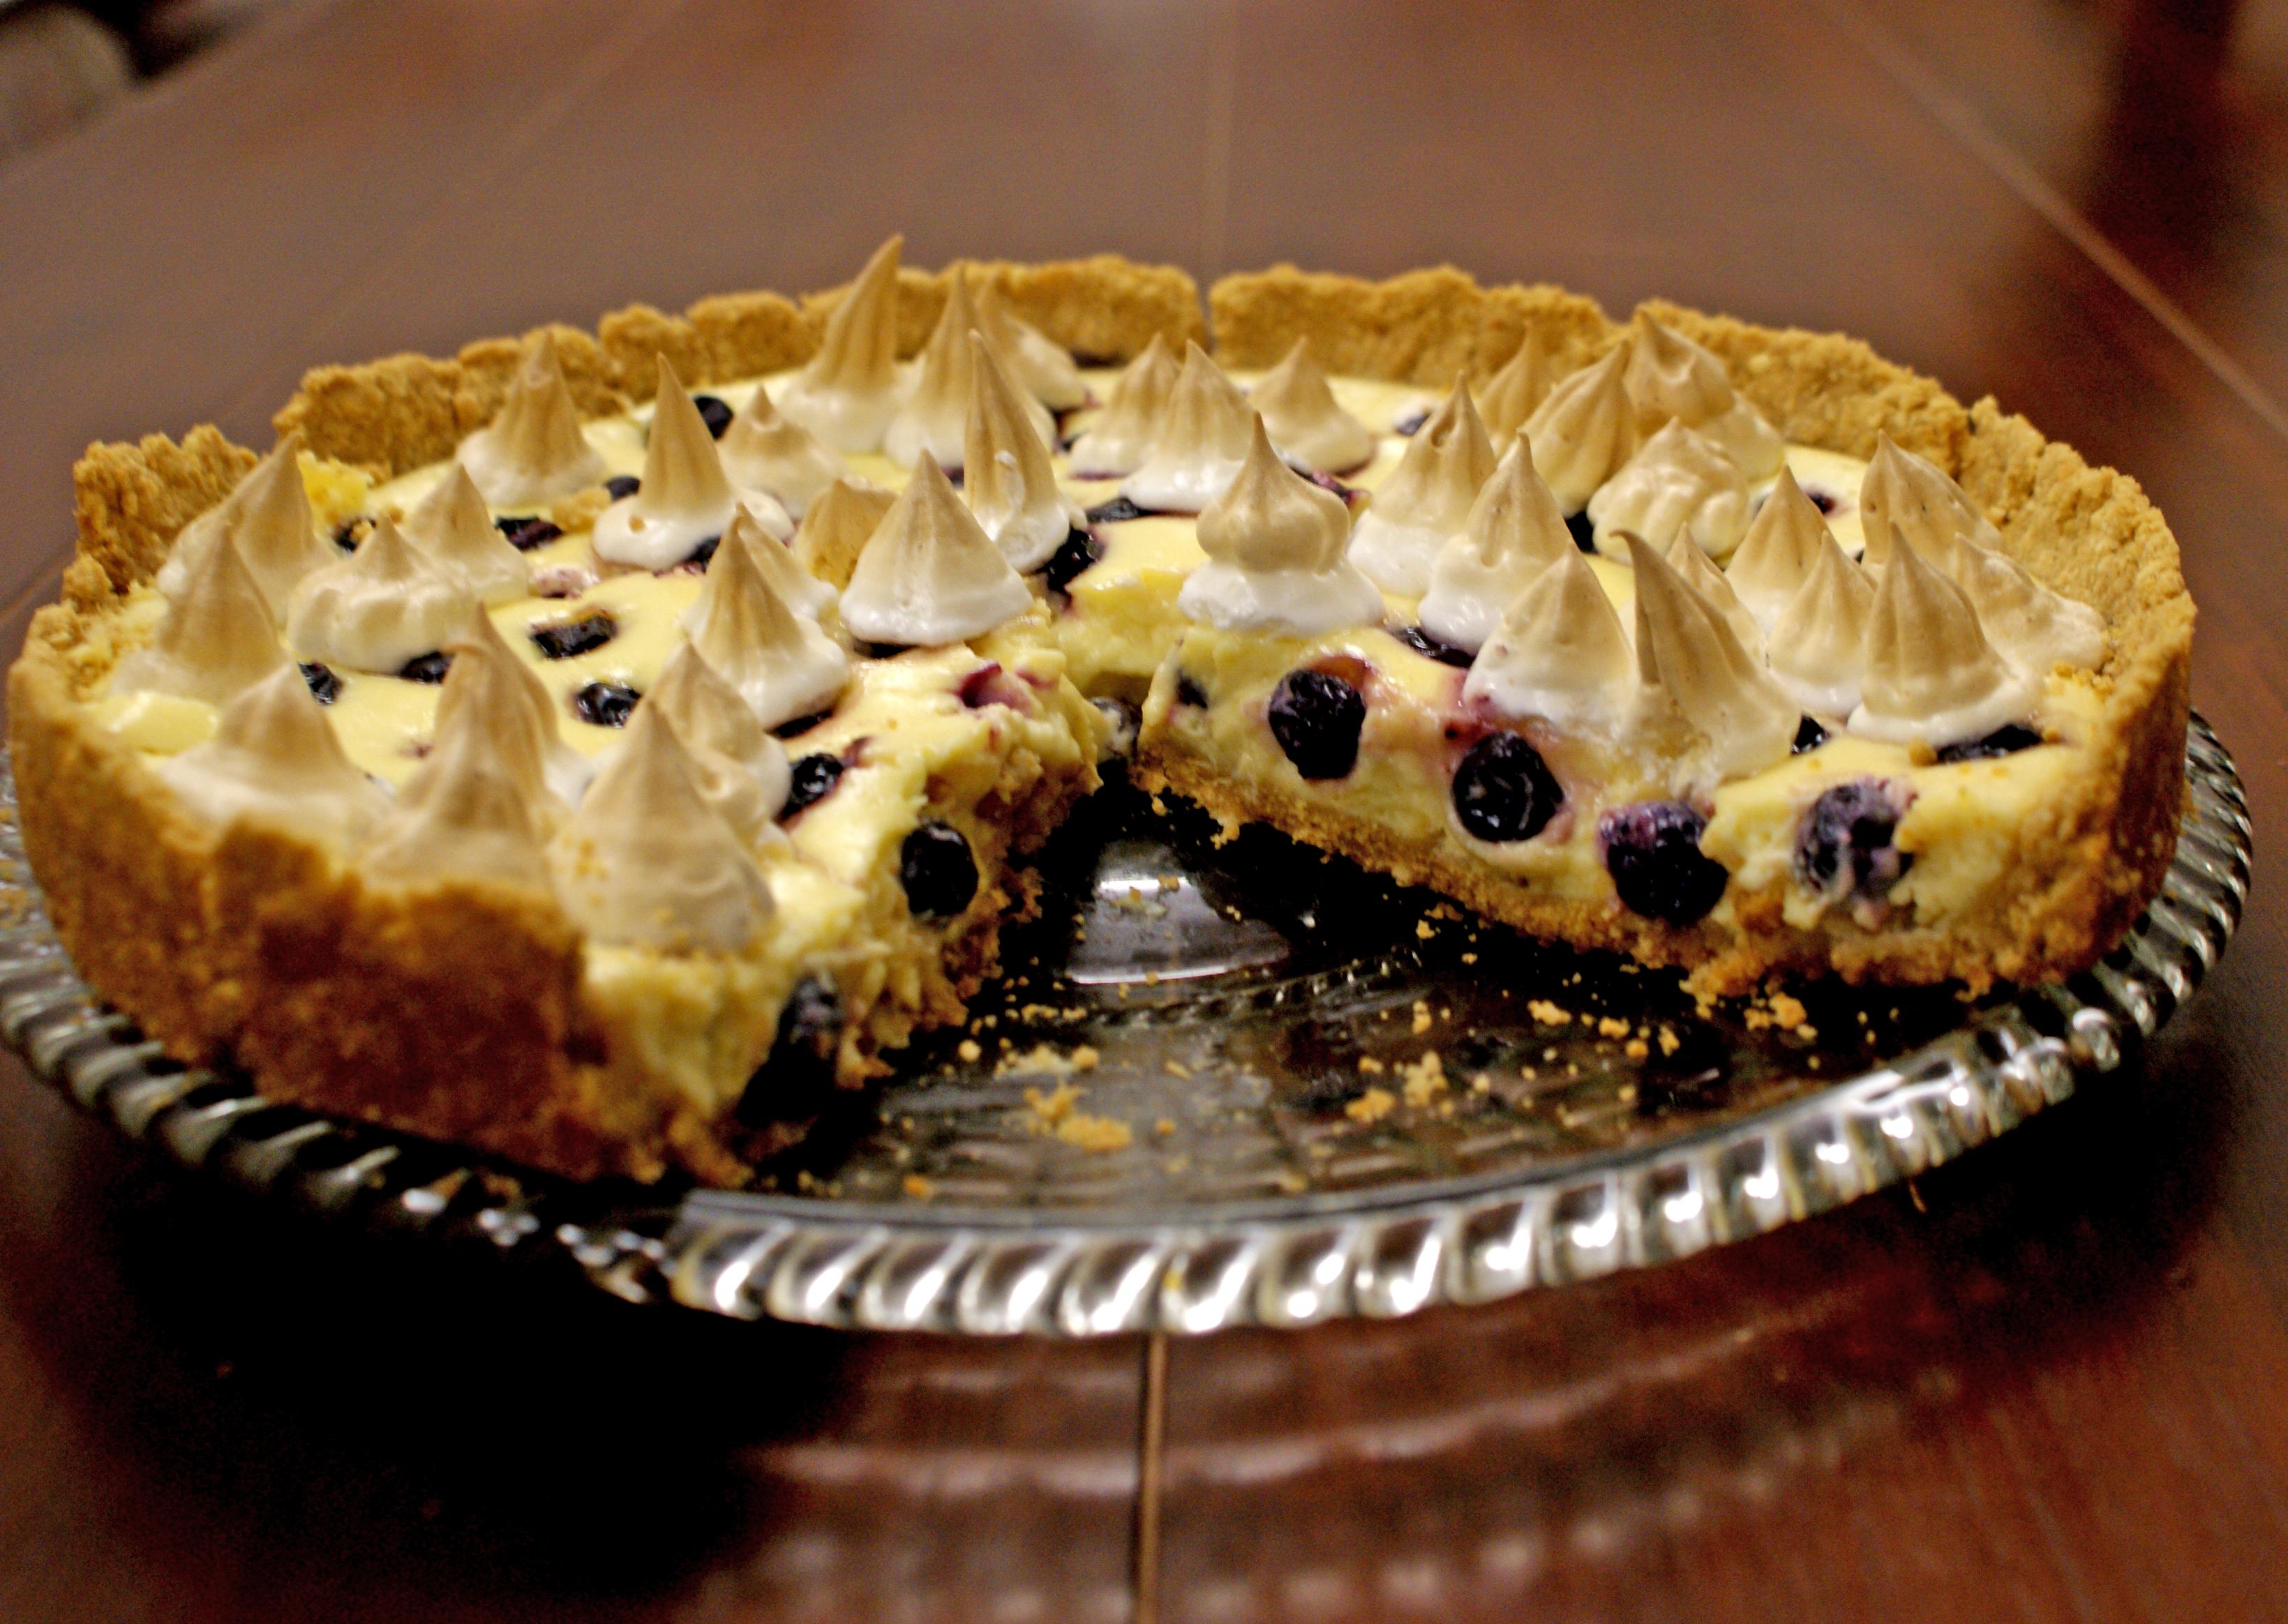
596, 748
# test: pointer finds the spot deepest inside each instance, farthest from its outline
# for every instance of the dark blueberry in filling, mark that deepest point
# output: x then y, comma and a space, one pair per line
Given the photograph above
713, 413
811, 780
1411, 424
802, 725
1809, 735
800, 1069
1328, 482
938, 870
1422, 643
1503, 790
605, 704
704, 554
1584, 534
2006, 740
576, 636
1821, 500
1115, 511
1316, 718
1849, 844
524, 535
622, 485
1080, 550
325, 687
1652, 851
1190, 693
1126, 719
425, 668
347, 535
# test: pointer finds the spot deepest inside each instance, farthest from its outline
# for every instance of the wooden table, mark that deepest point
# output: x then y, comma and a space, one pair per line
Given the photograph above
2050, 1383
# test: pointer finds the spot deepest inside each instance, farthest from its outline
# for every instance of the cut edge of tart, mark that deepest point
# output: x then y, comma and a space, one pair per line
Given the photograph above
270, 949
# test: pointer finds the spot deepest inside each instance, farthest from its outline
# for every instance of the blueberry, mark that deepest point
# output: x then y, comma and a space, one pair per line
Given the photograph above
562, 642
802, 725
1422, 643
713, 413
1118, 511
605, 704
1125, 720
796, 1078
810, 780
622, 485
1503, 790
1821, 500
1411, 424
325, 687
349, 532
1584, 534
1652, 851
1316, 718
1809, 735
704, 553
938, 870
2006, 740
1849, 844
1189, 693
524, 535
1328, 482
1079, 552
426, 668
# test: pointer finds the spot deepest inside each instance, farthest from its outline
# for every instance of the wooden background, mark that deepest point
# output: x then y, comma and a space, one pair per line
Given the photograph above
2049, 1383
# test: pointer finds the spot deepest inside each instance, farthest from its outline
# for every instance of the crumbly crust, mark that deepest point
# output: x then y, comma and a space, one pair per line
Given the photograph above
266, 950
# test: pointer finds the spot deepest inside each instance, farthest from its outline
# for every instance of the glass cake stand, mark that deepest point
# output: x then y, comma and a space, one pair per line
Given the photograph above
1229, 1086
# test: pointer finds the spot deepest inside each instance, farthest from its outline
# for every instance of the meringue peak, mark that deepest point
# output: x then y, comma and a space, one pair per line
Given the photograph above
2035, 627
1007, 480
1819, 638
837, 527
381, 607
1520, 385
1931, 675
1513, 533
741, 769
452, 526
533, 450
935, 410
1584, 430
1299, 407
848, 392
1038, 363
1198, 442
1905, 495
275, 756
782, 665
685, 497
268, 514
805, 593
1774, 559
1686, 649
765, 450
215, 640
1559, 651
463, 815
1121, 437
1700, 573
1678, 483
1428, 497
1276, 547
930, 575
1671, 378
489, 690
647, 862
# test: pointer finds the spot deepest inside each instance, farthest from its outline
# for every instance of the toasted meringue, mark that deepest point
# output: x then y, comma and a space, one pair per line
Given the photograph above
1300, 410
1677, 484
1121, 437
451, 526
1931, 674
2034, 627
764, 449
533, 450
1687, 649
215, 641
1511, 394
937, 406
268, 514
837, 527
740, 768
1818, 646
275, 756
1275, 555
1513, 533
379, 607
1672, 378
646, 862
514, 712
805, 593
1038, 363
1007, 480
929, 573
1561, 652
848, 392
685, 498
1198, 442
1702, 575
1902, 494
782, 665
1427, 496
465, 814
1584, 430
1772, 562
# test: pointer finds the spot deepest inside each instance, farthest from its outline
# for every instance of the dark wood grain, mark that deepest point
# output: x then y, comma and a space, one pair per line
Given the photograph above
2045, 1384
